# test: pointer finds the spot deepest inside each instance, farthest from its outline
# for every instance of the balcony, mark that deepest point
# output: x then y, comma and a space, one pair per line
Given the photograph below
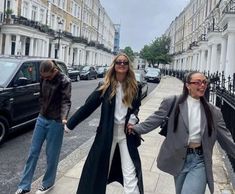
230, 8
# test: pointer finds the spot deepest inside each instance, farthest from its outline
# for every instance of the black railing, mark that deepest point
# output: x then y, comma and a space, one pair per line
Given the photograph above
202, 37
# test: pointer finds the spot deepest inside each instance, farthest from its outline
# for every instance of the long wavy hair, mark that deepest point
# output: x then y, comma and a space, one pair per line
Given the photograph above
129, 84
203, 100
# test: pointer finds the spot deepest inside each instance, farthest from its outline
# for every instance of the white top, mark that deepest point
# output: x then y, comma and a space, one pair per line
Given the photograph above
121, 109
194, 118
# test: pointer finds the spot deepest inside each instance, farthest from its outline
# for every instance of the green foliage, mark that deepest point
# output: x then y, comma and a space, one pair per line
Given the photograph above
129, 52
8, 12
157, 52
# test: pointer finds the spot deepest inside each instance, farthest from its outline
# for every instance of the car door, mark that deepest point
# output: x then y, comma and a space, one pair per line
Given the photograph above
26, 88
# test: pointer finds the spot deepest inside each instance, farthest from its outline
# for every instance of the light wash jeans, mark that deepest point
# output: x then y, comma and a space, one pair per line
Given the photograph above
192, 178
128, 169
52, 132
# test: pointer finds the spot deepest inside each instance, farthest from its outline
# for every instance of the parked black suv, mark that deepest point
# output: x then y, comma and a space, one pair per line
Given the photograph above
19, 91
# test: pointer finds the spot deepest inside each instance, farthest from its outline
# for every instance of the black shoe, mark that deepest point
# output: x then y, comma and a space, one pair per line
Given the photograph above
21, 191
43, 189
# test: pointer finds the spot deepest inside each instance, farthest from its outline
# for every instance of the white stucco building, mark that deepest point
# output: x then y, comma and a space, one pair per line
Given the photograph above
203, 37
78, 32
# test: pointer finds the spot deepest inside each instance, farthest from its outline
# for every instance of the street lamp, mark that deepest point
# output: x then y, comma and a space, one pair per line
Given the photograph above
60, 24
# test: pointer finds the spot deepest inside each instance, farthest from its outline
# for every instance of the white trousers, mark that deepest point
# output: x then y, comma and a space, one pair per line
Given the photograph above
128, 168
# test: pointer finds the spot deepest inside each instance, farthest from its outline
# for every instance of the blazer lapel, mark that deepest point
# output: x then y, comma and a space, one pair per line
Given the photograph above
184, 113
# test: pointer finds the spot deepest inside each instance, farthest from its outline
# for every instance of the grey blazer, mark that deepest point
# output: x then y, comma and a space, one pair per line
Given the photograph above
173, 150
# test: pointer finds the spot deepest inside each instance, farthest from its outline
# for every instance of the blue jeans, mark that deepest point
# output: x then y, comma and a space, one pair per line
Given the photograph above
52, 132
192, 178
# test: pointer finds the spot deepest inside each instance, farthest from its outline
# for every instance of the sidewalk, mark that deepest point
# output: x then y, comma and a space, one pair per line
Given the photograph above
155, 181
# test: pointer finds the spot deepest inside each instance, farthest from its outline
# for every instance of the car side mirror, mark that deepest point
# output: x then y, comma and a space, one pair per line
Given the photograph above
21, 81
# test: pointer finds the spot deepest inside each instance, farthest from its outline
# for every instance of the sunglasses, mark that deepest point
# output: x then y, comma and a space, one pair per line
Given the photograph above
199, 82
121, 62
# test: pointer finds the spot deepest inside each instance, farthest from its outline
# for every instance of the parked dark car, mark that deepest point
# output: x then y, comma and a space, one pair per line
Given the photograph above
144, 86
101, 71
73, 74
88, 72
153, 75
19, 91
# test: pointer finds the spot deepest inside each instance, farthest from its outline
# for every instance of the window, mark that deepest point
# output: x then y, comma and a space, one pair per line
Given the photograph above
25, 9
41, 17
34, 13
53, 21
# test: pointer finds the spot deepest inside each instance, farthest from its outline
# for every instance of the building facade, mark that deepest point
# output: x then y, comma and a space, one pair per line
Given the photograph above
203, 37
117, 38
78, 32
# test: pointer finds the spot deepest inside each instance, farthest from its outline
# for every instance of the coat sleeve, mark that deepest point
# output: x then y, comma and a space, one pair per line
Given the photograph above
66, 98
154, 120
91, 104
224, 136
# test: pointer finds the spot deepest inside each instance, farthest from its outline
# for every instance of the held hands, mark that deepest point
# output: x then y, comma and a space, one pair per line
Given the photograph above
66, 129
130, 129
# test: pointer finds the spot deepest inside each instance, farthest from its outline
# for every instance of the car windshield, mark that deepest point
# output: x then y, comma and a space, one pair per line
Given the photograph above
101, 69
85, 68
7, 68
152, 73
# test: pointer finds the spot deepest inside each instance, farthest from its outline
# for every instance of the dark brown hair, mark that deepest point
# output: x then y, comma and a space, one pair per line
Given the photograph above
203, 100
47, 66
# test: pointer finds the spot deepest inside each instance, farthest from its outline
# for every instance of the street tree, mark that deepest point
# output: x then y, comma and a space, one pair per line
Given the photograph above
157, 52
129, 52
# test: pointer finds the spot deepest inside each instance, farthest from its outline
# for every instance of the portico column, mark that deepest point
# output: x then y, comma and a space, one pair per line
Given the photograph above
17, 46
1, 43
71, 55
52, 50
213, 64
31, 46
194, 61
7, 50
230, 58
203, 60
66, 54
46, 53
223, 54
208, 59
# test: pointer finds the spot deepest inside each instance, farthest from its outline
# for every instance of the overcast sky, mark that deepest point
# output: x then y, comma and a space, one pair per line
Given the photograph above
142, 20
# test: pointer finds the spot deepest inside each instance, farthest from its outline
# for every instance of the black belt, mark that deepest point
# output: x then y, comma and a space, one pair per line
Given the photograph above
197, 150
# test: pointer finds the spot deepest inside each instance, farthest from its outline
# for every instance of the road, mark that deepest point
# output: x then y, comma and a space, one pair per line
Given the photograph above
13, 153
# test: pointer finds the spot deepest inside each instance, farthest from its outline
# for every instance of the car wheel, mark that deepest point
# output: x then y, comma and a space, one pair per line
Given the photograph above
3, 128
77, 78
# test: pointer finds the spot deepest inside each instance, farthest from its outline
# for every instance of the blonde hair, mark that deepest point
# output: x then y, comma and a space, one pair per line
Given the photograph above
129, 84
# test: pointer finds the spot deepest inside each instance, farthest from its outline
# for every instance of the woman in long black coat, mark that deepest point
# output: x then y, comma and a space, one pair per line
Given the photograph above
120, 98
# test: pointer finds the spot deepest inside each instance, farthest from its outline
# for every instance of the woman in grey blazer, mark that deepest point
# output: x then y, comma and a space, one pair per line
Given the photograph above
193, 127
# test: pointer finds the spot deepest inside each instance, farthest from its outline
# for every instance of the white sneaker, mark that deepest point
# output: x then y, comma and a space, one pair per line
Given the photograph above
42, 189
21, 191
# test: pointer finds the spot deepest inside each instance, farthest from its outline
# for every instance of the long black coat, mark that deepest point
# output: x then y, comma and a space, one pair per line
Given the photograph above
95, 176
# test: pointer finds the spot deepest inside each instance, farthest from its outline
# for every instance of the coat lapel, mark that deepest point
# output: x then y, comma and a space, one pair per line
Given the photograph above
184, 113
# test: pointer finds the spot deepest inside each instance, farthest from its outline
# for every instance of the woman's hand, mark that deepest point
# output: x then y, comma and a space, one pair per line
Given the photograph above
130, 129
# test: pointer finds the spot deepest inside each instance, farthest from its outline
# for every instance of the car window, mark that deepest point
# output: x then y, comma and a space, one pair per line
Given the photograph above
7, 68
28, 70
